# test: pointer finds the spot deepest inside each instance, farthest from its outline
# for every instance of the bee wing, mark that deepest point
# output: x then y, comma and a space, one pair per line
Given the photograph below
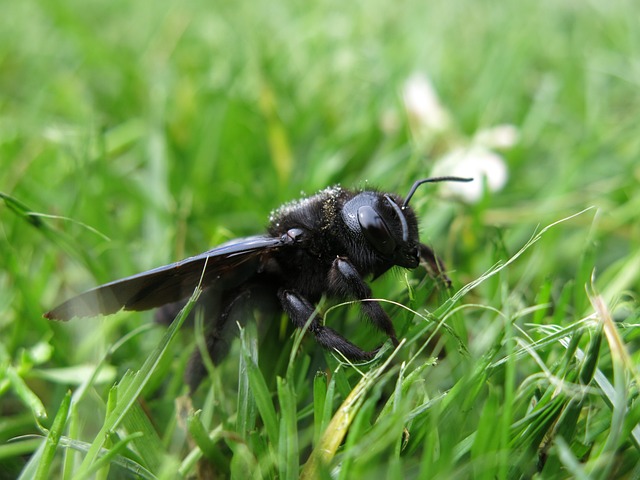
232, 263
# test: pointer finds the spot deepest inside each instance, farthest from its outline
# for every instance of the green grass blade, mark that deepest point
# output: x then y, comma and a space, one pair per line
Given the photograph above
246, 419
335, 432
262, 396
319, 404
53, 438
206, 443
288, 450
133, 385
25, 394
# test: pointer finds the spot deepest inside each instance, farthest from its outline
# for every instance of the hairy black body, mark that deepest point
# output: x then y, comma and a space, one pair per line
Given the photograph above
327, 244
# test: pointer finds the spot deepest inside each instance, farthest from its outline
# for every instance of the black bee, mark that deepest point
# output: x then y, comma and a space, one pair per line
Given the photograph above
326, 244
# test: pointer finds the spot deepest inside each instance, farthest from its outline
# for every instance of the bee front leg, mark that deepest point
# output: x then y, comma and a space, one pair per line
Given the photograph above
299, 310
434, 265
346, 282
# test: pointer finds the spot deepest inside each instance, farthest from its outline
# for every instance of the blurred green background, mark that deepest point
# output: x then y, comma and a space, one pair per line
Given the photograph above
133, 134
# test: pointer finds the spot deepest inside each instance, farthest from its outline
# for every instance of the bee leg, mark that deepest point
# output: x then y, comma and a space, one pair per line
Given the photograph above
299, 310
217, 334
434, 265
166, 314
346, 282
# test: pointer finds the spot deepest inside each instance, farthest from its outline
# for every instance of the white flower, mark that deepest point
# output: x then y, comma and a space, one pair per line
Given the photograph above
501, 136
478, 159
477, 162
423, 105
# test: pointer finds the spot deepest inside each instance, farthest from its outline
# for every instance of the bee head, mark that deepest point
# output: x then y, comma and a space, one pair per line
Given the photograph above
388, 229
387, 223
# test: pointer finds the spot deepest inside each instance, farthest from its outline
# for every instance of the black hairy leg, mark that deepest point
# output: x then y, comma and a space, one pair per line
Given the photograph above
434, 265
346, 282
300, 310
218, 332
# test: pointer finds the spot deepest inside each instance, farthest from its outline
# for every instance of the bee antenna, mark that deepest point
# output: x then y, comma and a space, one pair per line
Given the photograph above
403, 221
431, 180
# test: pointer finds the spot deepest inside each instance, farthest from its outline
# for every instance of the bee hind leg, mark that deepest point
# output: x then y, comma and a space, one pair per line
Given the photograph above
218, 334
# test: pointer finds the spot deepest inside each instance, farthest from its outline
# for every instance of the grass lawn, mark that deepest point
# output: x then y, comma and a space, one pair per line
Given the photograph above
135, 134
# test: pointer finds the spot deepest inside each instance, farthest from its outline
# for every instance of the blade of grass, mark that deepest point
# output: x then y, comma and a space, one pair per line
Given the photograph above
134, 382
25, 394
207, 443
69, 454
622, 366
288, 450
260, 393
246, 417
332, 437
67, 243
319, 402
53, 438
148, 445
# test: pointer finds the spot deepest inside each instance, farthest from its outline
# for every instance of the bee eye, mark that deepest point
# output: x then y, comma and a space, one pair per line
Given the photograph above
375, 230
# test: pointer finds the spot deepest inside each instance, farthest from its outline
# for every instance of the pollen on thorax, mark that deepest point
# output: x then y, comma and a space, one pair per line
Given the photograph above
289, 207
